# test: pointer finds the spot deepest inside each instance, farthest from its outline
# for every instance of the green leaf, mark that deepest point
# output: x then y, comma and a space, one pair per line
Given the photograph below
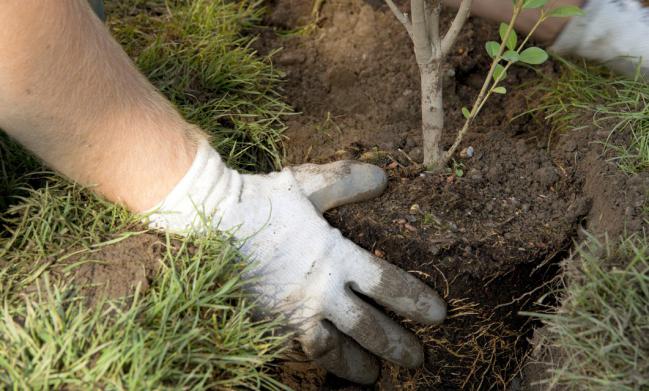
510, 56
533, 55
566, 11
492, 48
466, 113
499, 73
500, 90
511, 40
534, 3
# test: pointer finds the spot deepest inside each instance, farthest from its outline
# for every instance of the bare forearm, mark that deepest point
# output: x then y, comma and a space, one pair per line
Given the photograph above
70, 94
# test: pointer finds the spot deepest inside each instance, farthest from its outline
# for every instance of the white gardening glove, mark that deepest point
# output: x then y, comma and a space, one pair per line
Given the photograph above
615, 32
305, 269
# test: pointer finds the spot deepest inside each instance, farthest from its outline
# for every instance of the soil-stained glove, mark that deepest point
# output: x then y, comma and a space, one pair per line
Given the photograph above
615, 32
303, 268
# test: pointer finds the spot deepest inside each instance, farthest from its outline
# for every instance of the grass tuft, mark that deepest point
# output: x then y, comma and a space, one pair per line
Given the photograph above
195, 53
588, 95
193, 328
601, 329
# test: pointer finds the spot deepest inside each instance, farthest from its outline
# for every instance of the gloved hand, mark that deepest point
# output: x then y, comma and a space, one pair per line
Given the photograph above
305, 269
613, 32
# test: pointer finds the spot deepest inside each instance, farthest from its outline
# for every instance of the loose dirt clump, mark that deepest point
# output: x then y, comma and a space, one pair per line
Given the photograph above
489, 232
117, 270
113, 271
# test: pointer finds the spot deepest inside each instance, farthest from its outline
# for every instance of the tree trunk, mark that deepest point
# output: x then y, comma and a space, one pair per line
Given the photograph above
432, 113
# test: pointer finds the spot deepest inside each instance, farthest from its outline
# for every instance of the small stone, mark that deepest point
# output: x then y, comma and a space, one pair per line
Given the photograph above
400, 221
411, 218
290, 58
379, 253
343, 154
415, 209
467, 153
371, 156
410, 227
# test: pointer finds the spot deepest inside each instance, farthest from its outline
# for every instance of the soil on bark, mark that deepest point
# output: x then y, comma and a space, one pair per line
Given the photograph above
489, 232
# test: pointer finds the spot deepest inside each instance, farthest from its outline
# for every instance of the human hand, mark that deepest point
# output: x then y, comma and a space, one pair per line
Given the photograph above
305, 269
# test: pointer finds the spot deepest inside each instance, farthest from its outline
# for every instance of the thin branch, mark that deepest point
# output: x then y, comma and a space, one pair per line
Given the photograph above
423, 50
433, 25
401, 17
485, 86
458, 22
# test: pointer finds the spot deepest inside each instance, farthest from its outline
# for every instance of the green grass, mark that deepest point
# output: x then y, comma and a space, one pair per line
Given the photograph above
195, 53
586, 96
193, 328
601, 330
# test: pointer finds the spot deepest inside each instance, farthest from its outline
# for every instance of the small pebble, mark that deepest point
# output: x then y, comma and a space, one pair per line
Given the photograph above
467, 152
288, 58
343, 154
370, 156
379, 253
415, 209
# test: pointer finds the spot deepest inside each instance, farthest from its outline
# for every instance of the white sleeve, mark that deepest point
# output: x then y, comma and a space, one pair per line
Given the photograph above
208, 185
615, 32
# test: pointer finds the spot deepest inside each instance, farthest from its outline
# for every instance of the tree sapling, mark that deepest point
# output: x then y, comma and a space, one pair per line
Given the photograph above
431, 49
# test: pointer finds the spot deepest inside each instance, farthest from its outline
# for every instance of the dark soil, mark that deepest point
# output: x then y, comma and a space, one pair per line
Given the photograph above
489, 232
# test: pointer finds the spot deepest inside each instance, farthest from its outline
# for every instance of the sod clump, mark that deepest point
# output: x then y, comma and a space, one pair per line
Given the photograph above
598, 339
192, 328
586, 95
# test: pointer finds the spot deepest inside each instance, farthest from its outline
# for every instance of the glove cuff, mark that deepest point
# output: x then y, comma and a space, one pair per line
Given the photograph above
206, 188
611, 31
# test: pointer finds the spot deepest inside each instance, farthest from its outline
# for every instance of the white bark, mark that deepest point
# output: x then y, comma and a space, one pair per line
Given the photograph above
432, 113
430, 52
458, 22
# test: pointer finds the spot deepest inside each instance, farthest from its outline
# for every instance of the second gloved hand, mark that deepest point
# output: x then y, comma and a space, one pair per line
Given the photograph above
303, 268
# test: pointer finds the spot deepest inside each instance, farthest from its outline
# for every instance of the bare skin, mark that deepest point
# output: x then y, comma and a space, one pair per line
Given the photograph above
501, 11
70, 94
